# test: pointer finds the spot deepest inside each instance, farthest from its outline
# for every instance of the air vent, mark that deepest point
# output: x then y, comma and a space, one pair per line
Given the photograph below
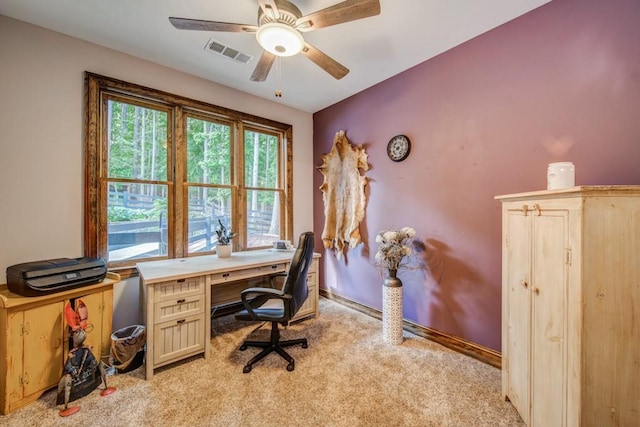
228, 52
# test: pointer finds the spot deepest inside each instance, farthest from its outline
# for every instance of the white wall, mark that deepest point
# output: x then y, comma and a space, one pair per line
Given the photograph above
41, 141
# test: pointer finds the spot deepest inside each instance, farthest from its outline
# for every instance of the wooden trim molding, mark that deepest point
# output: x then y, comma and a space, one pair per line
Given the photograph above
99, 90
468, 348
91, 127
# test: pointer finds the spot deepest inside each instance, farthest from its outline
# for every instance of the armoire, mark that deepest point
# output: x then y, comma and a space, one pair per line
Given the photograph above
571, 305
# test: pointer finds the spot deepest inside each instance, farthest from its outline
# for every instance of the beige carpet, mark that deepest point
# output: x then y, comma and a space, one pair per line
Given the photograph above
347, 377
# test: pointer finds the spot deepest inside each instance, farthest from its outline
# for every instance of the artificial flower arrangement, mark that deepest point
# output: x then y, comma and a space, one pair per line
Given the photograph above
224, 235
394, 247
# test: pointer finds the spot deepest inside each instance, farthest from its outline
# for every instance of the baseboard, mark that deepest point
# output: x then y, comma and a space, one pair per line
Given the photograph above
481, 353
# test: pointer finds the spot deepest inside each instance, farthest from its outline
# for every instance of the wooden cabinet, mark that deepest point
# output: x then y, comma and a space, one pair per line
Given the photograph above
176, 296
176, 313
34, 338
570, 343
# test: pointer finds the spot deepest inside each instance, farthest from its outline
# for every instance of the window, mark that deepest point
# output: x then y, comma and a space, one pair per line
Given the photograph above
163, 171
136, 182
209, 186
263, 192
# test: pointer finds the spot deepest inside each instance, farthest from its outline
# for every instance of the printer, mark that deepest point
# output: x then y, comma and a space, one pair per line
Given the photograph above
54, 275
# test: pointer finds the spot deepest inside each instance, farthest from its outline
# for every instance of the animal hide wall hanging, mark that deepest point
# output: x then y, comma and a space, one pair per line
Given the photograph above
343, 194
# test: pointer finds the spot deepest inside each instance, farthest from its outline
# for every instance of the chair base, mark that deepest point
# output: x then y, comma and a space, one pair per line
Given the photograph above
274, 344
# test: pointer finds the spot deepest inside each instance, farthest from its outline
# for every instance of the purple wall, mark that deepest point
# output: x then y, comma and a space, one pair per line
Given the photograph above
561, 83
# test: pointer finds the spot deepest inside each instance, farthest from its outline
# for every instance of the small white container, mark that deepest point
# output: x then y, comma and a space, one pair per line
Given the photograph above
561, 175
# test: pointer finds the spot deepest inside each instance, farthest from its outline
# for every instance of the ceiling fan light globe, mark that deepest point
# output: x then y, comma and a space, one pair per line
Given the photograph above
280, 39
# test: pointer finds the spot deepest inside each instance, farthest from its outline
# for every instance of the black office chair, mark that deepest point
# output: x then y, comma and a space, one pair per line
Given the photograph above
279, 306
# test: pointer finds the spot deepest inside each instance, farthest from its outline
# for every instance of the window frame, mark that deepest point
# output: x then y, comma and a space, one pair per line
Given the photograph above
233, 185
98, 89
281, 178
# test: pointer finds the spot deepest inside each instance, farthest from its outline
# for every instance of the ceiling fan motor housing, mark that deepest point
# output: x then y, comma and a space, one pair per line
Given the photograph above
288, 14
277, 33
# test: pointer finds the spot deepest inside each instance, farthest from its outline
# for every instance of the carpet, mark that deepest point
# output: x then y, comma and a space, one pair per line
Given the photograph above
346, 377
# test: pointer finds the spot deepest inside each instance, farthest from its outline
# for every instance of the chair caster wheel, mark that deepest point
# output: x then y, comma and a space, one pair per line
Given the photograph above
243, 347
305, 345
246, 369
291, 366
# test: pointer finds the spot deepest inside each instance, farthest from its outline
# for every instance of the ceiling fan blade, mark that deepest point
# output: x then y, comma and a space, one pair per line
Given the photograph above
263, 67
269, 8
346, 11
200, 25
325, 62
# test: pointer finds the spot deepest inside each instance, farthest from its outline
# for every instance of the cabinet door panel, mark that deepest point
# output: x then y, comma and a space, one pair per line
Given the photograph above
178, 339
43, 347
519, 321
94, 328
15, 365
107, 321
548, 356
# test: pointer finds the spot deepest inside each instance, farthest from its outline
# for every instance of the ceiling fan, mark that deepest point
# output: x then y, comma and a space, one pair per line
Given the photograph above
280, 27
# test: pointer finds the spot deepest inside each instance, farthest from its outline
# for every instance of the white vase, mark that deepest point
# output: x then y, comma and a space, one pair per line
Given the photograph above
392, 309
223, 251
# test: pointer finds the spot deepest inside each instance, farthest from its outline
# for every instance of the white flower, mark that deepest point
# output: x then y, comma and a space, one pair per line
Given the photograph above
394, 246
390, 236
410, 232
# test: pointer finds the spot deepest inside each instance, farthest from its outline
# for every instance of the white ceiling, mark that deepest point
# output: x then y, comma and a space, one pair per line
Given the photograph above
406, 33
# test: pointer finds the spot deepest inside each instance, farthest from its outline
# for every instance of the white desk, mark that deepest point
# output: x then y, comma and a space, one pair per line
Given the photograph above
176, 296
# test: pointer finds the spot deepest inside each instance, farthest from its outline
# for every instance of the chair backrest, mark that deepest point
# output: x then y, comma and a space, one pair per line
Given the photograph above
296, 282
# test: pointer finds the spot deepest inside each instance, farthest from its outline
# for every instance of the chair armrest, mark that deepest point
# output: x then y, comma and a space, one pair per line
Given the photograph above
256, 297
273, 276
258, 291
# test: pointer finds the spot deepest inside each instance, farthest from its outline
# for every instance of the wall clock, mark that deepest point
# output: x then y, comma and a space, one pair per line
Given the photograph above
398, 148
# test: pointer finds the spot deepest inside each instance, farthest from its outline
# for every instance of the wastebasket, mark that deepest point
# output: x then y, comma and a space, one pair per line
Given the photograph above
128, 348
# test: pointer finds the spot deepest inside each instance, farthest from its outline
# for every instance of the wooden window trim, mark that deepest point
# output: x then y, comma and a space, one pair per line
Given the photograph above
95, 231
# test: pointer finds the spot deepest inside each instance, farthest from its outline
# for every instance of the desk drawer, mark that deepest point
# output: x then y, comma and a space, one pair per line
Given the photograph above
313, 267
310, 306
232, 276
178, 307
178, 339
177, 289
